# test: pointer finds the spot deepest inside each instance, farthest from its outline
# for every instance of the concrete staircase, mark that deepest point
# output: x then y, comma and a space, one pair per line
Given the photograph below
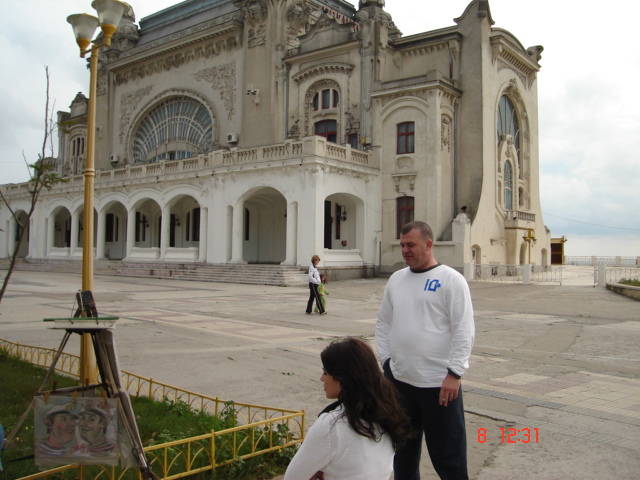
256, 274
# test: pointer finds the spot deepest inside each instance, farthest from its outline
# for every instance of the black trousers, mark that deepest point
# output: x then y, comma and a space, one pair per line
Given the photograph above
443, 429
314, 296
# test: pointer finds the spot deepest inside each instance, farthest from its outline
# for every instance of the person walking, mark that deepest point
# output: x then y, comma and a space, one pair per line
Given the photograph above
314, 282
424, 334
354, 437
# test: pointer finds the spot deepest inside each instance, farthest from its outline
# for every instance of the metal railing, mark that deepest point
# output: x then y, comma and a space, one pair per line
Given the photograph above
202, 453
546, 274
585, 260
518, 273
68, 364
138, 385
615, 274
498, 273
263, 429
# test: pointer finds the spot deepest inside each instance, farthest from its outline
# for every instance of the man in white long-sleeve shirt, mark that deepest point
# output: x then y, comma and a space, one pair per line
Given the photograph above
424, 336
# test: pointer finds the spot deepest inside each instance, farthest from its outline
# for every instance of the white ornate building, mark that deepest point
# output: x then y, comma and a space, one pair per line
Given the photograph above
266, 131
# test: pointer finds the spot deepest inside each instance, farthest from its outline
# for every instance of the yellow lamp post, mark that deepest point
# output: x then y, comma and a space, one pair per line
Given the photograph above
84, 25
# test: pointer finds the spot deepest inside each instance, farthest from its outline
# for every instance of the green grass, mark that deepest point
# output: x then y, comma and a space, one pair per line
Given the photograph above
633, 283
158, 422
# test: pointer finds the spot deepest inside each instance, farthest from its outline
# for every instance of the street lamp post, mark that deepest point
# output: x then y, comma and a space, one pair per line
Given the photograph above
84, 25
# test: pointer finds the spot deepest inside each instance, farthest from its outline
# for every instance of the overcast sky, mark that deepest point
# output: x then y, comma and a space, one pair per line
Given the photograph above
587, 87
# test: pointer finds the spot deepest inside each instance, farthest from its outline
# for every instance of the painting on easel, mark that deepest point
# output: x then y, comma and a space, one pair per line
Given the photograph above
81, 430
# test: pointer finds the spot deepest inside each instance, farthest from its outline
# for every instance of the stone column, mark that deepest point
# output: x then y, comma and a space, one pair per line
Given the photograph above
526, 273
602, 275
131, 231
51, 234
11, 236
292, 234
75, 227
202, 243
32, 247
469, 271
164, 230
100, 234
237, 230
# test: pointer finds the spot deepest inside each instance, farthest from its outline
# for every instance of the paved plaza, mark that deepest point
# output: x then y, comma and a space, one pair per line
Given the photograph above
558, 365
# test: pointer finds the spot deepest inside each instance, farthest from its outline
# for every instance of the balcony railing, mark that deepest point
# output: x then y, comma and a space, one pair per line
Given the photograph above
519, 215
223, 160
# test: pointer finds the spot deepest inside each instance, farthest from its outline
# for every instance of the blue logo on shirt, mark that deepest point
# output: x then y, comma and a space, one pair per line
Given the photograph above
432, 285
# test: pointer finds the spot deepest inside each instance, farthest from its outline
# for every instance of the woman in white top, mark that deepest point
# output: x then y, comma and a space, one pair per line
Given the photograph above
354, 437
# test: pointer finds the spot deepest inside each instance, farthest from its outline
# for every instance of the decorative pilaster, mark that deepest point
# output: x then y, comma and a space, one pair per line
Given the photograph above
51, 234
202, 243
11, 240
165, 225
237, 228
292, 234
75, 227
100, 236
131, 230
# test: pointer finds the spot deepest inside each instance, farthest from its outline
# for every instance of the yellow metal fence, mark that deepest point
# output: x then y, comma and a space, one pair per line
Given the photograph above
263, 429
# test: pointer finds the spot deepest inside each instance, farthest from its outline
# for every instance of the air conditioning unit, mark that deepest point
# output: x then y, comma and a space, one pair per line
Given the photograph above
113, 159
232, 138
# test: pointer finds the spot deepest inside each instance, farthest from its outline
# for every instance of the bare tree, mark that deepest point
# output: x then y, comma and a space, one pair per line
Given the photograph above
41, 176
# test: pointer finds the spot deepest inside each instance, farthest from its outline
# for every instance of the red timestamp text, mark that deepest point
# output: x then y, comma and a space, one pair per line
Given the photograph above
509, 435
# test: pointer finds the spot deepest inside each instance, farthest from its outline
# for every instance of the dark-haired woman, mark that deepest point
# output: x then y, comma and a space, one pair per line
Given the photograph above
354, 437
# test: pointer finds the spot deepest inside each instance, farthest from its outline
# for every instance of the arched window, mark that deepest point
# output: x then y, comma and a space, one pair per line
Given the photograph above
508, 186
77, 155
404, 212
327, 129
326, 98
507, 122
177, 128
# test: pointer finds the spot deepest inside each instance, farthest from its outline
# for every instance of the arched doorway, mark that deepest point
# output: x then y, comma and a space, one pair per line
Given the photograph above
22, 223
61, 218
476, 254
341, 222
264, 227
80, 217
182, 233
115, 231
147, 225
184, 222
523, 254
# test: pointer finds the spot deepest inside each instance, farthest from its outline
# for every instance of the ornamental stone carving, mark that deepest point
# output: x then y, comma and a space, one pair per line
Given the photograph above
298, 20
128, 105
445, 133
207, 48
223, 79
523, 64
323, 69
294, 130
254, 14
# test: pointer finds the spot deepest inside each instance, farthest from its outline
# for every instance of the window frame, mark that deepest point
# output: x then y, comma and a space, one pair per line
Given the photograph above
329, 133
508, 186
405, 138
405, 212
